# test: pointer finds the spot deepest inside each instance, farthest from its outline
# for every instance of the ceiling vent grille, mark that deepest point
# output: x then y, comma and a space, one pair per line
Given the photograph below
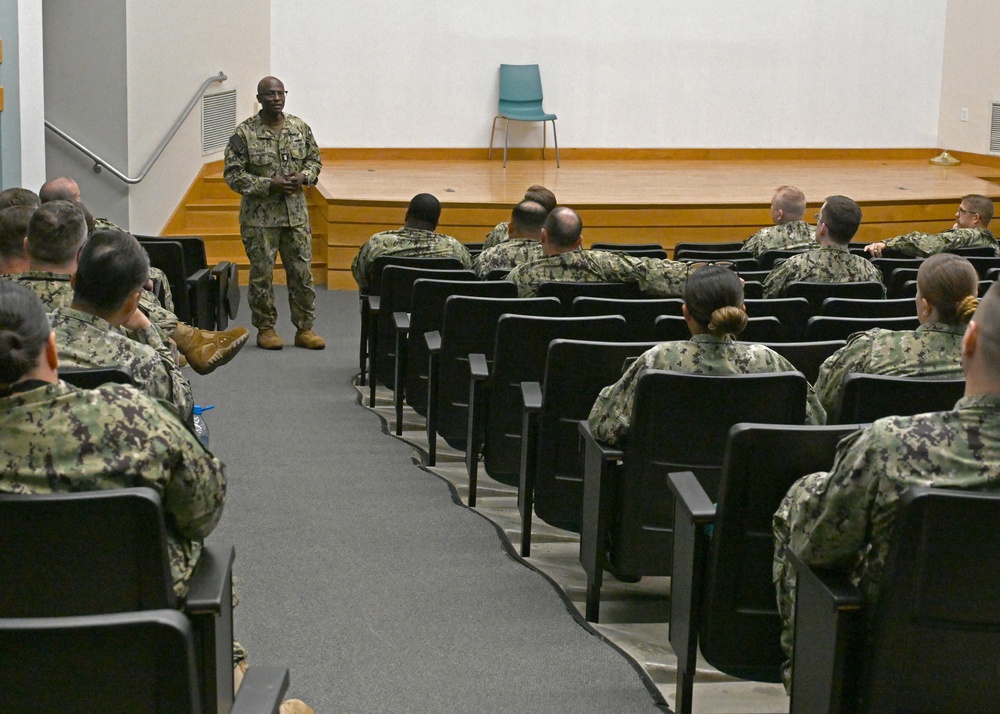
995, 129
218, 120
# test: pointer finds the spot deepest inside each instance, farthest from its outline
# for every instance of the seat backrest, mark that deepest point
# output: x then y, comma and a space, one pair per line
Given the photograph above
470, 325
383, 261
93, 377
993, 274
658, 253
567, 291
640, 315
681, 423
396, 290
195, 255
752, 289
852, 307
136, 662
703, 247
935, 632
741, 628
758, 276
806, 357
626, 246
521, 347
979, 251
821, 328
984, 265
168, 256
899, 278
759, 329
866, 397
427, 314
792, 313
697, 255
888, 265
575, 373
520, 83
768, 258
816, 293
61, 558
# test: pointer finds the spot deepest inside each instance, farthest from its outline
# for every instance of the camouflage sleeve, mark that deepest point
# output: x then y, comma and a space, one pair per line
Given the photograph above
776, 281
661, 277
829, 522
462, 253
754, 244
916, 244
361, 263
166, 381
498, 235
313, 163
855, 356
235, 171
611, 415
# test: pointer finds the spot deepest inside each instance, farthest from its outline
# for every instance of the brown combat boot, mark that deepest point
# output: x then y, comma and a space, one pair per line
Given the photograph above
268, 339
206, 350
309, 339
295, 706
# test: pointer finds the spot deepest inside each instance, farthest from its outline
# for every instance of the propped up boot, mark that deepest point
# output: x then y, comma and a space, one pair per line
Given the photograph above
206, 350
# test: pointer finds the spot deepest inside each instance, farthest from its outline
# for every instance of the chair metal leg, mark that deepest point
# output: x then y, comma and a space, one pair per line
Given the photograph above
544, 128
555, 140
506, 133
492, 134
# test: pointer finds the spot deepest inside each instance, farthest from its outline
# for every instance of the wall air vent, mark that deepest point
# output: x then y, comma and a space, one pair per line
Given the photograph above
218, 120
995, 129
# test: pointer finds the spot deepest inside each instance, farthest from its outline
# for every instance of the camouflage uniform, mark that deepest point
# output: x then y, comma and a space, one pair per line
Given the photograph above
932, 350
611, 415
654, 276
53, 289
497, 236
507, 255
825, 265
784, 236
89, 341
271, 221
921, 245
843, 519
406, 243
58, 438
103, 224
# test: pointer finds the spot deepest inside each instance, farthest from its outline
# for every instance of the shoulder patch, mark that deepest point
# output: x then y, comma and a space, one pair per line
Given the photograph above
237, 143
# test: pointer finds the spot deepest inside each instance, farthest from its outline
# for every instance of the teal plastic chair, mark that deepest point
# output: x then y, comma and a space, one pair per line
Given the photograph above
521, 100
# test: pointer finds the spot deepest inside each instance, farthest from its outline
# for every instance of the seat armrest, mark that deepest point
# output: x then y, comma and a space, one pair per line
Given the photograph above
211, 578
374, 302
691, 498
478, 368
262, 691
531, 397
433, 340
607, 453
828, 634
402, 322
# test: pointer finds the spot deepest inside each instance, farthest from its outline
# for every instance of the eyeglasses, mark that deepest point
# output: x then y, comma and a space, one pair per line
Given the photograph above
962, 210
272, 94
691, 267
817, 217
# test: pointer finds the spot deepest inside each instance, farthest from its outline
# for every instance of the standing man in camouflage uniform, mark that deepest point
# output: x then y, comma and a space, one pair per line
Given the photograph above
970, 231
790, 231
269, 159
562, 259
523, 244
416, 239
836, 223
844, 519
106, 286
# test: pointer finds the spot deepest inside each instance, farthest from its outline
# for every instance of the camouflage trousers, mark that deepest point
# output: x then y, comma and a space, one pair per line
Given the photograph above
797, 497
157, 314
294, 243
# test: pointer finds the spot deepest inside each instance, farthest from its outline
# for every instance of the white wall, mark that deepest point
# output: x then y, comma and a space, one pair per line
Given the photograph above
971, 76
174, 46
643, 73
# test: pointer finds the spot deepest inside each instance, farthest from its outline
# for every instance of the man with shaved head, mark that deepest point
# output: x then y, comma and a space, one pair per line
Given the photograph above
790, 231
844, 519
269, 159
61, 188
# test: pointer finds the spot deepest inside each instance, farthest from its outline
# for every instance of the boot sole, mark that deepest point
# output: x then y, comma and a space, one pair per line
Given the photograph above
225, 355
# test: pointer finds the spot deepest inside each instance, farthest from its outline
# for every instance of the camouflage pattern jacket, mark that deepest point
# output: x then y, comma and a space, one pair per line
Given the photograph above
932, 350
58, 438
825, 265
785, 236
507, 255
255, 154
89, 341
53, 289
611, 415
921, 245
654, 276
499, 234
406, 242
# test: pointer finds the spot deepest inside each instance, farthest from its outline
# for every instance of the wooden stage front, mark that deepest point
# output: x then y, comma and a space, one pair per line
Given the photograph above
676, 196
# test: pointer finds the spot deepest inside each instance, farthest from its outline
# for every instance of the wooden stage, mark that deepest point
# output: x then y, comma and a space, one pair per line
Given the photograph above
687, 196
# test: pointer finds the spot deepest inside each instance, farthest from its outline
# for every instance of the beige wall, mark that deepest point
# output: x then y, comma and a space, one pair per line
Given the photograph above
173, 46
971, 75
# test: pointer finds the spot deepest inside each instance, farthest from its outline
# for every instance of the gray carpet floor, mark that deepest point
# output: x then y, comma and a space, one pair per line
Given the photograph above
358, 571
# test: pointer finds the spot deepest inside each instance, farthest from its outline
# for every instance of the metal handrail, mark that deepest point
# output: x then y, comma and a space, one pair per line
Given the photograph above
99, 162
